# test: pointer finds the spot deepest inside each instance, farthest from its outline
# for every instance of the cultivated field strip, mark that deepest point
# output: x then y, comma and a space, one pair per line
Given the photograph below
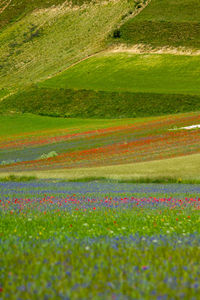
143, 141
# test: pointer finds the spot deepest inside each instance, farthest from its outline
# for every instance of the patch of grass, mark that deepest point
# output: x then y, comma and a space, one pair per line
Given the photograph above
122, 72
165, 23
157, 180
43, 43
22, 124
116, 85
3, 93
17, 9
161, 34
97, 104
15, 178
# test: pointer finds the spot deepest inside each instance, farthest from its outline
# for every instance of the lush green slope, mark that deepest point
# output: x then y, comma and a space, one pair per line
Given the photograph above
122, 72
165, 23
46, 41
98, 104
13, 10
116, 85
16, 125
42, 43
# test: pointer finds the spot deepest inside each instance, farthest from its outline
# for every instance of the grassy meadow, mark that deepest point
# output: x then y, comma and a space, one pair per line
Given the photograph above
141, 73
171, 23
116, 85
44, 41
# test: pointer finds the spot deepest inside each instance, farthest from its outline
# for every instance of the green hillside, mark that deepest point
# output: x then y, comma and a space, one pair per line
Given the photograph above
41, 42
122, 72
116, 85
13, 10
49, 66
165, 23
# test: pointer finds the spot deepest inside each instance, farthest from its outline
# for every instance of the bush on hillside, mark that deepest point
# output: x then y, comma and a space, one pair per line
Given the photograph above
116, 34
48, 155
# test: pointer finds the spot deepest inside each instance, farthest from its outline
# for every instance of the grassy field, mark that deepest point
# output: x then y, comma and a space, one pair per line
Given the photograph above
114, 85
13, 126
165, 23
122, 72
46, 41
12, 11
67, 103
65, 241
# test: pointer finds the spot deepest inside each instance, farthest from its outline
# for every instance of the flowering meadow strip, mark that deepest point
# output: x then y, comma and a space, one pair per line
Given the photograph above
99, 241
57, 136
141, 141
169, 144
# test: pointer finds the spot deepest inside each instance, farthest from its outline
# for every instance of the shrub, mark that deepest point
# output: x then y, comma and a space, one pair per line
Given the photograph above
48, 155
116, 34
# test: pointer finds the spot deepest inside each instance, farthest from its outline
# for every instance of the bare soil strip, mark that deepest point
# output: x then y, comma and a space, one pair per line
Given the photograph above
143, 49
5, 6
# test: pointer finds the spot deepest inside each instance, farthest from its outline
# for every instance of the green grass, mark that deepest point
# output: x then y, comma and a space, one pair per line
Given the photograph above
150, 180
14, 178
141, 180
165, 23
122, 72
67, 103
19, 124
18, 9
114, 85
45, 42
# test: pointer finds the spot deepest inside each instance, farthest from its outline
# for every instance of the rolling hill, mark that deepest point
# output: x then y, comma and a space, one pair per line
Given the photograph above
171, 23
127, 83
116, 85
43, 39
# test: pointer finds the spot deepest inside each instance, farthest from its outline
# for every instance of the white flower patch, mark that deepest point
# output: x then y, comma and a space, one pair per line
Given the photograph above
187, 127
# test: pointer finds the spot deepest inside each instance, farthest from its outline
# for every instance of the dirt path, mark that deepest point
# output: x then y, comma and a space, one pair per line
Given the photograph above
5, 5
142, 49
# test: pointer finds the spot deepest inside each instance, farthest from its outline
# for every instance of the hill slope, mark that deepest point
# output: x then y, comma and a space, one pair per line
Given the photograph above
45, 41
116, 85
172, 23
42, 43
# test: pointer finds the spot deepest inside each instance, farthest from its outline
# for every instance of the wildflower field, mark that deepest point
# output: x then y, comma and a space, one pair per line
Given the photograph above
99, 240
102, 143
